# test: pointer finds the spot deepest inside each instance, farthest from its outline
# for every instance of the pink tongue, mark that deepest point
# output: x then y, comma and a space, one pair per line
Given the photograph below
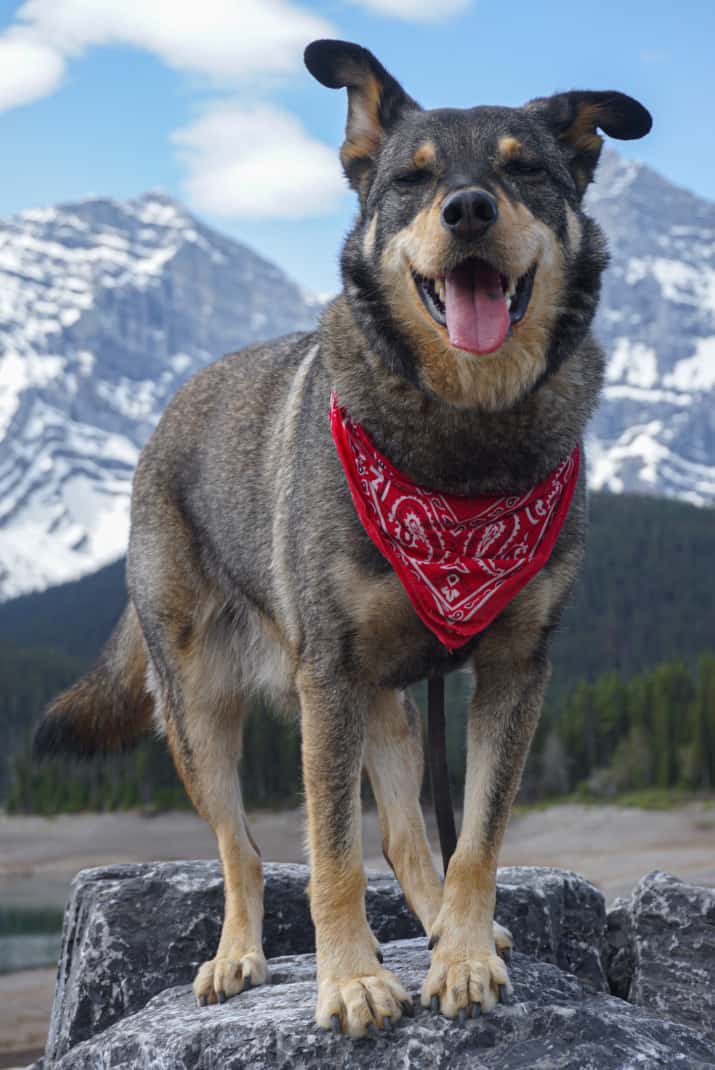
476, 313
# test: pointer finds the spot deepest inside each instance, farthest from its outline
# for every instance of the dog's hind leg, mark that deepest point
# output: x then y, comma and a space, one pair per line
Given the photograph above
356, 994
205, 745
203, 711
394, 763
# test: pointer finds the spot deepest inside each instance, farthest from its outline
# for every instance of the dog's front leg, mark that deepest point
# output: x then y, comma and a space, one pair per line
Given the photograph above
356, 995
466, 975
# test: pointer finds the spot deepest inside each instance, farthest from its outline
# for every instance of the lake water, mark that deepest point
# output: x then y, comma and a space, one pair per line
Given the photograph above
25, 952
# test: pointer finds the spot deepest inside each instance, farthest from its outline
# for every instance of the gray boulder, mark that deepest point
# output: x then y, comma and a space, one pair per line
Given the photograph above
662, 949
134, 931
555, 1022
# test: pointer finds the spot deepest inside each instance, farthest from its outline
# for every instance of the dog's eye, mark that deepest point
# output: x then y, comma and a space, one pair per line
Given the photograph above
527, 168
415, 177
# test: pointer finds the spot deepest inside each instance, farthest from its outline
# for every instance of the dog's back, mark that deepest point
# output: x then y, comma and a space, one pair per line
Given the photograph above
206, 487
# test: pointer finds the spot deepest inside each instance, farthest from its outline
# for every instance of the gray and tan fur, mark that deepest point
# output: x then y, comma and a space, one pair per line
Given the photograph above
249, 571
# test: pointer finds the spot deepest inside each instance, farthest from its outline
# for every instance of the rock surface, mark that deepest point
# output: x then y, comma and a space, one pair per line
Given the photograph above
666, 954
135, 934
553, 1022
132, 931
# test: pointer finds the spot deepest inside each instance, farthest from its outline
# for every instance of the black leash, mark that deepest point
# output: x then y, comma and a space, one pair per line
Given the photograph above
439, 772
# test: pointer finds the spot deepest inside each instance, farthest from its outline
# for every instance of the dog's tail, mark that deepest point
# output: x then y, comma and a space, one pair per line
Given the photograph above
109, 708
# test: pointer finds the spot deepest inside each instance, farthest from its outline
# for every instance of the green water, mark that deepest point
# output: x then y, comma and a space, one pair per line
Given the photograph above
28, 952
29, 938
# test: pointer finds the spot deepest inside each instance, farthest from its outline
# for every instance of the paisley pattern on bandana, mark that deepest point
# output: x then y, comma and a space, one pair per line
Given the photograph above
461, 560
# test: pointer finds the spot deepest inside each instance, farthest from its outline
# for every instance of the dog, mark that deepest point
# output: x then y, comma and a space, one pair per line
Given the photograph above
460, 350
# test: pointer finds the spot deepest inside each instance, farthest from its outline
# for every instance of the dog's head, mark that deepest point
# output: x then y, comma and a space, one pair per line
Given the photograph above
471, 268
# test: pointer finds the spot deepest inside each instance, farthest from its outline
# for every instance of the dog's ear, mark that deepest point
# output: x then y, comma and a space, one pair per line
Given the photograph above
375, 101
575, 118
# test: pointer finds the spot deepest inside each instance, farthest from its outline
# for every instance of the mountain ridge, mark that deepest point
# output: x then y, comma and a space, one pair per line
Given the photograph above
106, 308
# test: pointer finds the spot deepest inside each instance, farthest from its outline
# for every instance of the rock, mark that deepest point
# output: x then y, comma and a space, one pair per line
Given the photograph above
554, 1022
133, 931
618, 957
672, 945
555, 916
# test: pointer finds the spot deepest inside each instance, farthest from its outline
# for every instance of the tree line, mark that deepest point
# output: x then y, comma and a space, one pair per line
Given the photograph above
652, 730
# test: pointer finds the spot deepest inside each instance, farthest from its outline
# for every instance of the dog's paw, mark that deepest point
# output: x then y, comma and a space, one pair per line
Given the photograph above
227, 975
463, 982
361, 1006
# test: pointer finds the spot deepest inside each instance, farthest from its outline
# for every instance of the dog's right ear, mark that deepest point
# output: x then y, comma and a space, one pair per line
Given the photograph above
375, 102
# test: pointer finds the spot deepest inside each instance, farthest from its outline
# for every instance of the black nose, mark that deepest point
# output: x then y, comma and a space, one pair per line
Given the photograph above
469, 213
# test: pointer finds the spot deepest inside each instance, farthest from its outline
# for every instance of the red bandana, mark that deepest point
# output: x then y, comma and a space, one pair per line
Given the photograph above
461, 560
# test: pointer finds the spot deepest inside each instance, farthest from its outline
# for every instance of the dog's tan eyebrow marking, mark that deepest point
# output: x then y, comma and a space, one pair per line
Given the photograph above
425, 155
509, 148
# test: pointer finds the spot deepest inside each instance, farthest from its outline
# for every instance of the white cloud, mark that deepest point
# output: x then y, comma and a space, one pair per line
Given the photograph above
242, 162
29, 69
224, 40
415, 10
256, 163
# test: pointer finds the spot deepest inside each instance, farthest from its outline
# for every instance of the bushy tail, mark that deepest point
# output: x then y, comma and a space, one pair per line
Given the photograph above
109, 708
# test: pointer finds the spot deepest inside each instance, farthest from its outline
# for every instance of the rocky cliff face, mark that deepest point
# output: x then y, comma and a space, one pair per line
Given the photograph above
134, 936
655, 430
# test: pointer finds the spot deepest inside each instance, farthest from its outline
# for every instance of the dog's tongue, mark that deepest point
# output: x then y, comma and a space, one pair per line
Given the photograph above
476, 312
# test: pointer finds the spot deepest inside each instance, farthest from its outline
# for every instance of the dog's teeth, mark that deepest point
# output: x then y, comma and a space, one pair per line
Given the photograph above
439, 289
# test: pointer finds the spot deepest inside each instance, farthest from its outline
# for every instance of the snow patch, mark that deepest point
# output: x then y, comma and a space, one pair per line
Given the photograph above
633, 362
696, 372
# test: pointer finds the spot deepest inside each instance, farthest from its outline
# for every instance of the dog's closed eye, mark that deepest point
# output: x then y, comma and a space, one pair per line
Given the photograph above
527, 168
414, 177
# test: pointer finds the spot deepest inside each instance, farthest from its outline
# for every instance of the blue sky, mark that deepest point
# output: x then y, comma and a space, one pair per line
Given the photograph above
209, 100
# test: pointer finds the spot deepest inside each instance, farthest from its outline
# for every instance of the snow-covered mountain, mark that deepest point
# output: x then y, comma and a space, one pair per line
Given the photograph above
107, 307
655, 430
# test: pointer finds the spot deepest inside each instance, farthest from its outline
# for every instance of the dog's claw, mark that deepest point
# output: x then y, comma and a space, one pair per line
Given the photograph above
462, 1015
335, 1024
433, 941
380, 956
221, 997
202, 1001
387, 1022
506, 955
475, 1010
504, 994
434, 1004
372, 1030
246, 982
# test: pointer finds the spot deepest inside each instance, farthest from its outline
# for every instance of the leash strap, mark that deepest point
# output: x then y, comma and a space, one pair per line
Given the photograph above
439, 771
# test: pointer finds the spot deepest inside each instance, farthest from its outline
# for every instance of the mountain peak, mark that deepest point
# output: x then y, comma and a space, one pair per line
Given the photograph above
106, 308
614, 175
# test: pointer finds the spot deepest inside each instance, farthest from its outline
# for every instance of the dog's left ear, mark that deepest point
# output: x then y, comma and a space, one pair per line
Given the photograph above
375, 102
575, 118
